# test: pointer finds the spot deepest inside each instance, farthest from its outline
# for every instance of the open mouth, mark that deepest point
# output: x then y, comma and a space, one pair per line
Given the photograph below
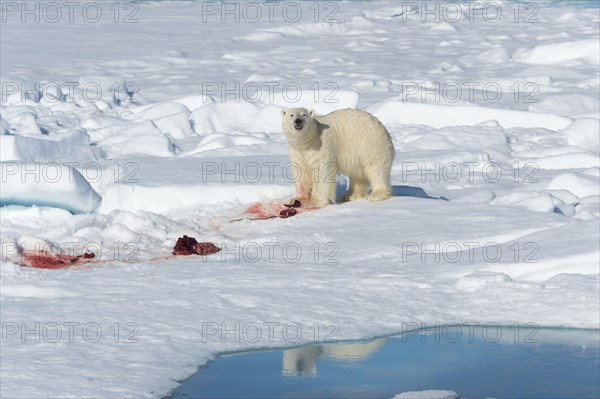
298, 124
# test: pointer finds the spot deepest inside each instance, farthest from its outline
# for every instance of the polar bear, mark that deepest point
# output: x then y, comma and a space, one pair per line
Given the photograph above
350, 142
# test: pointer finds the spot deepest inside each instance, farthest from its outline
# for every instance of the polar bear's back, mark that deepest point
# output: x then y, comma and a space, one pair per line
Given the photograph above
359, 138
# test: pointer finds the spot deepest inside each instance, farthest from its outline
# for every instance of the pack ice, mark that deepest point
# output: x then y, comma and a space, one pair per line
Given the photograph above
135, 134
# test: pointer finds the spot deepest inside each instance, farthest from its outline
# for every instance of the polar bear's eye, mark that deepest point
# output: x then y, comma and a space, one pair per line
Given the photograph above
303, 114
292, 115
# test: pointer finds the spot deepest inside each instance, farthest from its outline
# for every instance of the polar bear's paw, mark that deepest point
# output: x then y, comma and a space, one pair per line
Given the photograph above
357, 191
379, 195
316, 203
352, 197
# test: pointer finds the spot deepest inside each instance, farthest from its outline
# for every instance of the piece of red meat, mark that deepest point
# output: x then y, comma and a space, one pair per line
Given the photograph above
188, 245
287, 212
185, 246
206, 248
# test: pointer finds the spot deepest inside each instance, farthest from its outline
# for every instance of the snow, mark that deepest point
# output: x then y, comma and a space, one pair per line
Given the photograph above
29, 149
428, 394
495, 215
561, 53
567, 104
580, 186
584, 133
398, 112
47, 184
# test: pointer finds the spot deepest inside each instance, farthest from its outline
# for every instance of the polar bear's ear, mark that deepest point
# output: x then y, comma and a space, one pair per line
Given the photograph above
283, 111
312, 112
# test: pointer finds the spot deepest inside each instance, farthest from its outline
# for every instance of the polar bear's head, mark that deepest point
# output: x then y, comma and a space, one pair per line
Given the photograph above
296, 120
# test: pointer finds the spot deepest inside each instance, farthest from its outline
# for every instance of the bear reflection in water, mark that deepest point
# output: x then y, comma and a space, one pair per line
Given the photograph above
303, 361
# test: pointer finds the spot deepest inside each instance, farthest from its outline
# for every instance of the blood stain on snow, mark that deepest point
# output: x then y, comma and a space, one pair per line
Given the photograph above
272, 211
41, 260
259, 211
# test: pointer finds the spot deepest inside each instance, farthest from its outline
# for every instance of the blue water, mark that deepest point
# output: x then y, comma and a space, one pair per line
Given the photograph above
544, 364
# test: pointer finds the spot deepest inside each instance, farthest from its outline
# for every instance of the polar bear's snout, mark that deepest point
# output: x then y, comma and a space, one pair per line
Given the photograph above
298, 124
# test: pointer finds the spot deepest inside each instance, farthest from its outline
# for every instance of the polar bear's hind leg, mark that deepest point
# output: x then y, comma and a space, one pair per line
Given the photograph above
359, 189
379, 180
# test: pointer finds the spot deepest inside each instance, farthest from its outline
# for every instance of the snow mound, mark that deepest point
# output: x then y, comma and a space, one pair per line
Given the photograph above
479, 279
443, 27
33, 217
538, 202
530, 200
588, 208
462, 144
38, 121
561, 53
568, 160
355, 26
154, 111
141, 138
428, 394
27, 149
576, 184
493, 56
218, 140
194, 102
177, 125
567, 105
113, 90
584, 133
47, 184
395, 112
236, 116
170, 118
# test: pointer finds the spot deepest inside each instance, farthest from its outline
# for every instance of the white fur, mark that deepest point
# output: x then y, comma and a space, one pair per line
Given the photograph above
349, 142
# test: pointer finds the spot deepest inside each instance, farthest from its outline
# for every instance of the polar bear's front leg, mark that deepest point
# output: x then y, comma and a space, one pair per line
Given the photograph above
302, 178
324, 184
303, 189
